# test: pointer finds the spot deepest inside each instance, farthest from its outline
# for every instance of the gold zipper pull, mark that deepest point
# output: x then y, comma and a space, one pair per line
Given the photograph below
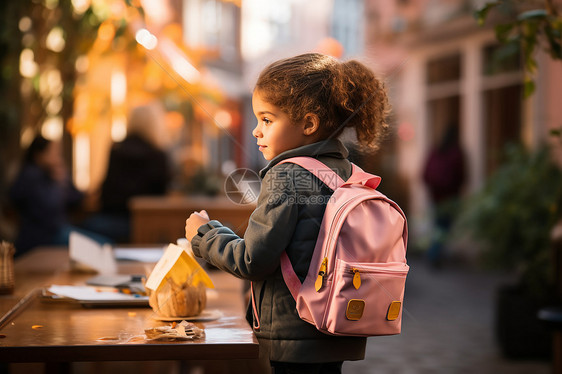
321, 272
356, 278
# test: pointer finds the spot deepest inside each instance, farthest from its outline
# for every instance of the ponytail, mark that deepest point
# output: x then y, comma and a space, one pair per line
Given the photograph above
363, 101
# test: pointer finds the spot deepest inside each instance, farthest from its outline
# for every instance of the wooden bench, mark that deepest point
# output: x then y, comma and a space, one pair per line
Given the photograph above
162, 219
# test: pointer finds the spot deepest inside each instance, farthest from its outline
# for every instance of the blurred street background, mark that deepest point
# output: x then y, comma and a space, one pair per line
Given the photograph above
448, 327
473, 155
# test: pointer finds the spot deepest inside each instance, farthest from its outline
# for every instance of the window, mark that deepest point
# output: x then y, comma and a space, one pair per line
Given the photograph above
443, 114
212, 25
502, 122
502, 99
347, 25
265, 25
497, 60
443, 75
444, 69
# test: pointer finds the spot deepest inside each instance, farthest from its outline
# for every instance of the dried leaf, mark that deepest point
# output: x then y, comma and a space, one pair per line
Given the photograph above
136, 339
183, 331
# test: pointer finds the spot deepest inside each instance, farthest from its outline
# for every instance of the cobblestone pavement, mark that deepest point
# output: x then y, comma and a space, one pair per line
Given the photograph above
447, 327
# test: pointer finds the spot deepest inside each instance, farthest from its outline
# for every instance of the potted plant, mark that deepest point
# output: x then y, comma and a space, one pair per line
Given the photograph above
511, 220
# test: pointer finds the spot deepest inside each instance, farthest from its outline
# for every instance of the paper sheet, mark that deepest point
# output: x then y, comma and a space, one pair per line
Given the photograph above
89, 253
138, 254
86, 293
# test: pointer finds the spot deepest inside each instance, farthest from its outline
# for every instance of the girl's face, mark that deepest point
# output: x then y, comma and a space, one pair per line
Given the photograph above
275, 132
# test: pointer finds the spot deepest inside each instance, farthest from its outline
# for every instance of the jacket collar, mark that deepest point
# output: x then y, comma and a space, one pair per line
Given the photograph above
330, 147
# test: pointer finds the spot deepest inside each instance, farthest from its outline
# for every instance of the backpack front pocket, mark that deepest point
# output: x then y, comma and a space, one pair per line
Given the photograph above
366, 298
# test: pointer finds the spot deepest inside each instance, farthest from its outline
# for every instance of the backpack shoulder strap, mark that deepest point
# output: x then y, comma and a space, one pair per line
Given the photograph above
358, 176
319, 169
289, 276
331, 178
333, 181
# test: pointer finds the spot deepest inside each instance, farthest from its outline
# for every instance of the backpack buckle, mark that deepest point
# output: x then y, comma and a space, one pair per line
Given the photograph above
354, 310
393, 310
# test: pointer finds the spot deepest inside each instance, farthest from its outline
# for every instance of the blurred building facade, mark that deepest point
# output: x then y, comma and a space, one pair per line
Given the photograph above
206, 55
242, 37
437, 61
440, 69
153, 67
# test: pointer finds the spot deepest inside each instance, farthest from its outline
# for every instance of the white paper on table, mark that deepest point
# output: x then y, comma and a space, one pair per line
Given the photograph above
138, 254
91, 254
88, 293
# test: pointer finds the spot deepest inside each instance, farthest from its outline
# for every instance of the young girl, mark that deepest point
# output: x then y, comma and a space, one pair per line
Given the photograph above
302, 105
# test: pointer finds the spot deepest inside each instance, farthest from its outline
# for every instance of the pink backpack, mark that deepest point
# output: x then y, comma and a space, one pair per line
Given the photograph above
355, 283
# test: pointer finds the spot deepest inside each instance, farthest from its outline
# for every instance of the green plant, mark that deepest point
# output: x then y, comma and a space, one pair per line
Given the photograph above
513, 215
525, 26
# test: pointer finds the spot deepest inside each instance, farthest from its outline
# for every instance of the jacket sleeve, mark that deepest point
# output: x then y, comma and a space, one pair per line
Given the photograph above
269, 232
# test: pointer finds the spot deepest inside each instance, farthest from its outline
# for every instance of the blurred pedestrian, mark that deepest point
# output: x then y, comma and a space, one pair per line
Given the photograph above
444, 175
138, 165
302, 105
42, 193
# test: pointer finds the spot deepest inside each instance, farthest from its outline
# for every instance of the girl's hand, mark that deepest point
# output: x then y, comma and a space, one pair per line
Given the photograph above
195, 220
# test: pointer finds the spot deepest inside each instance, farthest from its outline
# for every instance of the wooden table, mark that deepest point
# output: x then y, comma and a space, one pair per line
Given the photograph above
70, 332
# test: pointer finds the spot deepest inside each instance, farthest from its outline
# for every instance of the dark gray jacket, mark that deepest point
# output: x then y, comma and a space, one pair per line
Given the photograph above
287, 218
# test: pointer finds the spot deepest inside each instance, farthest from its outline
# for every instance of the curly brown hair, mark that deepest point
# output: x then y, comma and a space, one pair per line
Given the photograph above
341, 94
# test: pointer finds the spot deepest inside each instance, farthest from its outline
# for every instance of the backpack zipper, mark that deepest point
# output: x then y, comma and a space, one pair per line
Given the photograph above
378, 270
356, 278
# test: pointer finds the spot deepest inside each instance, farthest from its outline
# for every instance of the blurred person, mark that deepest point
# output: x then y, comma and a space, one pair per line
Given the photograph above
444, 175
138, 165
42, 193
302, 104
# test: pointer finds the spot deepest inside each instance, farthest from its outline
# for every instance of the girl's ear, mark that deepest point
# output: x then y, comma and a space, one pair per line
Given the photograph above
311, 124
